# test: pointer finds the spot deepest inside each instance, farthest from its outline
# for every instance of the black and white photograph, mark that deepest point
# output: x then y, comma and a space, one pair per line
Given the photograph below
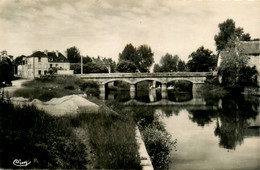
130, 84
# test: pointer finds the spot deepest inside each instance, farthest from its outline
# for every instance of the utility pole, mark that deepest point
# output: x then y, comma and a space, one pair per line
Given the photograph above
33, 67
81, 64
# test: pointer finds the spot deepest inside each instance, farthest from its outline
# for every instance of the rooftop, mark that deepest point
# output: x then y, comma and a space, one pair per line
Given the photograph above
249, 47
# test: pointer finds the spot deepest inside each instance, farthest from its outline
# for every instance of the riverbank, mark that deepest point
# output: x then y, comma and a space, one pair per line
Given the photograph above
110, 138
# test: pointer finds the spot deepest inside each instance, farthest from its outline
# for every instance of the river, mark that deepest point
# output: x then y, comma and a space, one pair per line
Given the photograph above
211, 133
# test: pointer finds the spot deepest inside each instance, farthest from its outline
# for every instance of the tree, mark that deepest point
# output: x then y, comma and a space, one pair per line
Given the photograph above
170, 63
202, 60
6, 71
181, 66
73, 55
227, 31
126, 67
18, 61
157, 68
86, 60
128, 54
235, 72
144, 58
107, 62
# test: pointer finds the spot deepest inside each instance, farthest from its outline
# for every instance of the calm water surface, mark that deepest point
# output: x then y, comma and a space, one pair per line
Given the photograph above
218, 134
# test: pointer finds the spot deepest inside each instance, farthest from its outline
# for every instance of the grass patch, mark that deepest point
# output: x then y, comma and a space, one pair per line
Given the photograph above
48, 87
112, 139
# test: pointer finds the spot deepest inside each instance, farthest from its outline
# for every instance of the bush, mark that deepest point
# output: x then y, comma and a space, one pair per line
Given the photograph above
69, 87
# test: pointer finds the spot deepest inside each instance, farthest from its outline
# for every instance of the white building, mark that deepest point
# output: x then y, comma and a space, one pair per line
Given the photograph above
40, 63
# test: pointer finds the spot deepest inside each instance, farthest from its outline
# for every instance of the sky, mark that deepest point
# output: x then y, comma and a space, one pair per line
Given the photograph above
104, 27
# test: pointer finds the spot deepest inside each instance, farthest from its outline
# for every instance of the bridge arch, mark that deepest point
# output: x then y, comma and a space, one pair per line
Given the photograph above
114, 80
148, 79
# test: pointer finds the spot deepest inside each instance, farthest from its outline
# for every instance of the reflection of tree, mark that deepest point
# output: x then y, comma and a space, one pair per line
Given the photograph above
169, 111
232, 122
202, 117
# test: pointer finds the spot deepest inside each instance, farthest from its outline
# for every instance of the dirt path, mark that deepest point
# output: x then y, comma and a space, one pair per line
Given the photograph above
16, 85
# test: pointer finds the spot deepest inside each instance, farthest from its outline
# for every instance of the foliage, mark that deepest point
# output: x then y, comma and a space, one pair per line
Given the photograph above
86, 59
227, 31
94, 68
170, 63
142, 57
145, 58
6, 71
18, 61
202, 60
128, 54
90, 67
48, 142
90, 88
235, 72
126, 66
105, 62
53, 70
112, 139
157, 140
181, 66
73, 54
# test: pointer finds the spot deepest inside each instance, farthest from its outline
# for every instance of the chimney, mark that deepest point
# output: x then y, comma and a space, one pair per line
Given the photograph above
46, 52
57, 53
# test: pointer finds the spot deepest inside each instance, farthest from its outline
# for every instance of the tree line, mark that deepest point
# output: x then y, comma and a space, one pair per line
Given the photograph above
140, 59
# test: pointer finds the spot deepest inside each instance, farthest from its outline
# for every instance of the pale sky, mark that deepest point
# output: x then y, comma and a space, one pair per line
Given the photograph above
104, 27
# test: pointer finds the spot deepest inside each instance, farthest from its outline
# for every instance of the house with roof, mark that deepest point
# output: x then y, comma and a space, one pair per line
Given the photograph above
251, 49
40, 63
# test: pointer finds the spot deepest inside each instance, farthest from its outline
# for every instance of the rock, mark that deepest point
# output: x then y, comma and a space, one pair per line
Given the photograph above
72, 104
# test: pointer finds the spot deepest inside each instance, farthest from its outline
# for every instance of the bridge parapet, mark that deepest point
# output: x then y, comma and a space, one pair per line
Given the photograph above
133, 78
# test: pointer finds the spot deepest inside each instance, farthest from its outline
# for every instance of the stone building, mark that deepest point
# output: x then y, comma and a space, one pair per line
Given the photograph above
251, 49
40, 63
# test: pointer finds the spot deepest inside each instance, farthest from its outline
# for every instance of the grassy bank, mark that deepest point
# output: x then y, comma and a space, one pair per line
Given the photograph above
157, 140
69, 142
32, 135
48, 87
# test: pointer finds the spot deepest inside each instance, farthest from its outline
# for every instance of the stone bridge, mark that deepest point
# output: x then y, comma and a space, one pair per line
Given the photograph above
196, 78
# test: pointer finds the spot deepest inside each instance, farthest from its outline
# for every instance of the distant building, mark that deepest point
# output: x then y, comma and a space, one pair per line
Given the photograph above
39, 63
4, 56
250, 49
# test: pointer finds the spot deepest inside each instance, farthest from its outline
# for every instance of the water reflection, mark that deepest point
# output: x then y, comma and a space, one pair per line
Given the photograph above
149, 95
224, 125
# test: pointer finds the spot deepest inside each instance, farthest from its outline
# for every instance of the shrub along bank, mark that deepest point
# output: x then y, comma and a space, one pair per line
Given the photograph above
157, 140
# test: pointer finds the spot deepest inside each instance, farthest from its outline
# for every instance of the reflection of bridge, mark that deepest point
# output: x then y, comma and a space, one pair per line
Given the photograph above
194, 104
163, 102
196, 78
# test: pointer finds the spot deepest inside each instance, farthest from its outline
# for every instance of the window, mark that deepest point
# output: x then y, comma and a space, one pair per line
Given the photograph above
40, 72
50, 65
56, 65
39, 59
45, 72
